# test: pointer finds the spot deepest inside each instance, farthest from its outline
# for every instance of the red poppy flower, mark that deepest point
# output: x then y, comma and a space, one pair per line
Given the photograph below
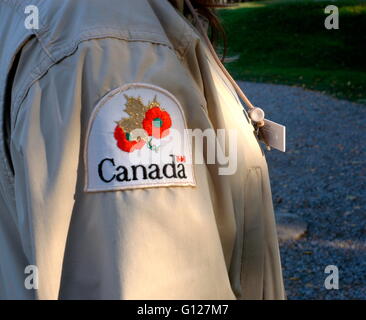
124, 143
157, 122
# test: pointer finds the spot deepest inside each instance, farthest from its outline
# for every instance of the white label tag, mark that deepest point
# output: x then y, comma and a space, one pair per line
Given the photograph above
275, 135
137, 138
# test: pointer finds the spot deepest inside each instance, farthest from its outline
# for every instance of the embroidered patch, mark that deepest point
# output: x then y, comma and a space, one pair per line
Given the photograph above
137, 138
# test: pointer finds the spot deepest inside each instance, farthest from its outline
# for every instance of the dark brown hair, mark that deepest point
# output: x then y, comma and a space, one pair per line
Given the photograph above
206, 8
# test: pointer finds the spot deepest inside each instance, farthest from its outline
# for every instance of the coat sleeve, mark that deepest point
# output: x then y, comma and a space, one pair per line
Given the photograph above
135, 244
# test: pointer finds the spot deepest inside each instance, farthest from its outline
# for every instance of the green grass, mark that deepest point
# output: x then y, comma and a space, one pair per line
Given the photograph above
286, 42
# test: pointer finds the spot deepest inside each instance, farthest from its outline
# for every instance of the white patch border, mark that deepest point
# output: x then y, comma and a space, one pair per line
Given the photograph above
94, 114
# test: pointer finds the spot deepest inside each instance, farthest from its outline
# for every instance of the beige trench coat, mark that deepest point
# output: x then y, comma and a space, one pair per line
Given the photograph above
216, 240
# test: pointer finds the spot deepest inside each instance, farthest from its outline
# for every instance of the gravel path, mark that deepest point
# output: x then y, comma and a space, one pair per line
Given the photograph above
322, 179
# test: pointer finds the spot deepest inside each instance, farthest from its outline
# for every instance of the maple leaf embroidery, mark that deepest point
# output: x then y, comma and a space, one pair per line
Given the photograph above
136, 111
143, 122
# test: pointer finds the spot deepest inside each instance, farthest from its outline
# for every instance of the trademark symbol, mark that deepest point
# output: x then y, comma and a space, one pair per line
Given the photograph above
180, 158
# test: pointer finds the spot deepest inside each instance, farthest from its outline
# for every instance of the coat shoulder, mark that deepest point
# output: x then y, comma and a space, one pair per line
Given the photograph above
65, 23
